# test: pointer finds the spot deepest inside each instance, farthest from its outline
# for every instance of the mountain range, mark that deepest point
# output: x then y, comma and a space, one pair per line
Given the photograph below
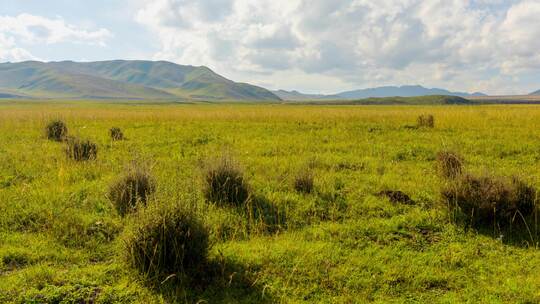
386, 91
129, 79
297, 96
139, 79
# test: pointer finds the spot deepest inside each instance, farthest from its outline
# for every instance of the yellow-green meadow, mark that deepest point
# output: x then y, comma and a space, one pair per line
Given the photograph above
63, 241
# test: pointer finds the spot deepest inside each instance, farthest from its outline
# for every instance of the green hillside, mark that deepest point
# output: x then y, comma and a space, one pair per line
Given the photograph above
123, 79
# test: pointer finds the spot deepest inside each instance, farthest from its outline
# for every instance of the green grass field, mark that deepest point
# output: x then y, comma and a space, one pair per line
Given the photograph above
61, 240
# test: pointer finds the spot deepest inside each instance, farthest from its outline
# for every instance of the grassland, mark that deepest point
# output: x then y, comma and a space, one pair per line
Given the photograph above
516, 99
61, 239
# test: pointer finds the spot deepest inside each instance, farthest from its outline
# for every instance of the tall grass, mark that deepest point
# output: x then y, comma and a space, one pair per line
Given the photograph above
493, 203
81, 149
167, 242
132, 188
56, 130
224, 181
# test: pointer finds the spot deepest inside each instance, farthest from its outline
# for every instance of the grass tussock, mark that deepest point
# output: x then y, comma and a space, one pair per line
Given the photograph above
81, 149
167, 243
449, 164
487, 201
304, 181
131, 189
396, 196
116, 134
425, 121
56, 130
224, 182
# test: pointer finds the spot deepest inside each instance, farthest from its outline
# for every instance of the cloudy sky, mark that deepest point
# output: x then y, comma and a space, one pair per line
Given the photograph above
324, 46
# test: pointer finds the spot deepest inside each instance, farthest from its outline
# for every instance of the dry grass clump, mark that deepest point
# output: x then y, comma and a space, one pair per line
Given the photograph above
116, 134
304, 181
56, 130
485, 200
449, 164
132, 188
397, 196
425, 121
225, 183
167, 243
81, 149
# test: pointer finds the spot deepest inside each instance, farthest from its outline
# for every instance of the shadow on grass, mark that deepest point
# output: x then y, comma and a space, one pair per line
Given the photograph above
522, 232
264, 216
518, 235
223, 281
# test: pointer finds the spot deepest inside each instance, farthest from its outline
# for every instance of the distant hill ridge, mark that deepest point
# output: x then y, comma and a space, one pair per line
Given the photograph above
386, 91
402, 91
123, 79
414, 100
536, 93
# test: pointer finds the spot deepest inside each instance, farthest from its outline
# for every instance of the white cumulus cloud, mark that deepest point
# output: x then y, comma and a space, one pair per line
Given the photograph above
10, 52
26, 29
460, 44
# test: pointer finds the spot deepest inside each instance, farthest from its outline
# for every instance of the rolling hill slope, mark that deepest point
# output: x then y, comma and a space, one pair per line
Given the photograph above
123, 79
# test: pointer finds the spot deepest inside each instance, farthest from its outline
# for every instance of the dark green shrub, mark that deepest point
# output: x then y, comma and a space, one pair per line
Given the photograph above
81, 150
132, 188
426, 121
116, 134
449, 164
303, 181
224, 182
167, 242
485, 200
56, 130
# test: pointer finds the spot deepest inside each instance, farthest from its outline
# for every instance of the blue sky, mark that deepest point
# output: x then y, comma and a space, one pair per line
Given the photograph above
314, 46
129, 38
